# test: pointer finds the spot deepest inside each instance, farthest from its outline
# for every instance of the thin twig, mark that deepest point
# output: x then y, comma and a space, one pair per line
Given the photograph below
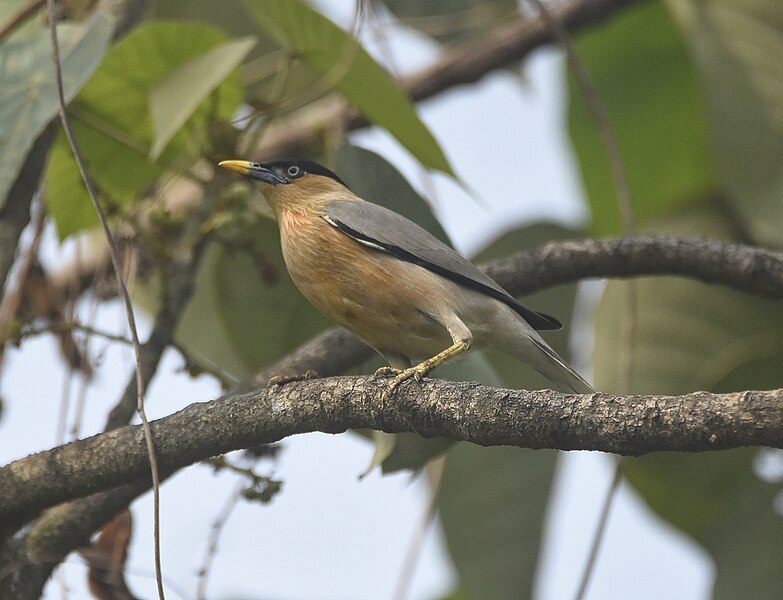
436, 468
600, 116
81, 396
10, 306
115, 259
30, 331
214, 535
19, 18
601, 527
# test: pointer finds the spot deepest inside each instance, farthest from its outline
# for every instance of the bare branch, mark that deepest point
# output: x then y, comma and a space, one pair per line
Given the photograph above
471, 412
467, 63
745, 268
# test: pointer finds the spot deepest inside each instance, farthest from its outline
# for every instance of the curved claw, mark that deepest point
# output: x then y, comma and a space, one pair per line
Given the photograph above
387, 372
417, 373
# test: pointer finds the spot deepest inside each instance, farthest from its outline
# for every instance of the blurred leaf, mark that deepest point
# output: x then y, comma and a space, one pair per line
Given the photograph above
28, 96
692, 336
107, 559
264, 61
494, 500
558, 302
175, 97
492, 506
384, 445
453, 20
112, 123
263, 313
738, 45
201, 332
644, 76
347, 67
373, 178
9, 9
684, 343
716, 499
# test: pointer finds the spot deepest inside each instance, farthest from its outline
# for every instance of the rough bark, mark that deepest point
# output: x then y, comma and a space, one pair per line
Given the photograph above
471, 412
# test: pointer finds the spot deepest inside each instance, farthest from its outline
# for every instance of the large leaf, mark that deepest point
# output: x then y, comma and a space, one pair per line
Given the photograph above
684, 343
261, 311
493, 501
28, 96
371, 177
347, 67
738, 45
200, 329
111, 120
269, 78
492, 506
177, 96
692, 336
643, 74
453, 20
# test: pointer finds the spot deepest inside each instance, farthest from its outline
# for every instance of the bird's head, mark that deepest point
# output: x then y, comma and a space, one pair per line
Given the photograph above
291, 183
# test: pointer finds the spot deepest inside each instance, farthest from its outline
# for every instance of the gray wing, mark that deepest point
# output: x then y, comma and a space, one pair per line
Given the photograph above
390, 232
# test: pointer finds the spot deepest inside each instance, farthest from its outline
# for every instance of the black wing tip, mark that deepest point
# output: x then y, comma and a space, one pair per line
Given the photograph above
546, 323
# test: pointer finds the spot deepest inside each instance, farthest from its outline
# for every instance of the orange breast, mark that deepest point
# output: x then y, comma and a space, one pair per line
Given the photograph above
383, 300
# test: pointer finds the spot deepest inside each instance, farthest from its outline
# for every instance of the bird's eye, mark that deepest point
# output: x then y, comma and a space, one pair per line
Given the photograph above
294, 171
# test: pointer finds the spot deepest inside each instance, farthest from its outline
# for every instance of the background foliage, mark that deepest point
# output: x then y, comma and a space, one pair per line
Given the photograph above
694, 90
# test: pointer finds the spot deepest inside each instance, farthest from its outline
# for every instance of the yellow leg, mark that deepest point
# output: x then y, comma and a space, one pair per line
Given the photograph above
421, 370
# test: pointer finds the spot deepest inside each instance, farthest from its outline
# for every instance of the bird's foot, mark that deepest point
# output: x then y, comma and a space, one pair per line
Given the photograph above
387, 372
417, 373
278, 380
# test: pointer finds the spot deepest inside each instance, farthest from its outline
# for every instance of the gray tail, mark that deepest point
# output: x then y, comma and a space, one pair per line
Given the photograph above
559, 372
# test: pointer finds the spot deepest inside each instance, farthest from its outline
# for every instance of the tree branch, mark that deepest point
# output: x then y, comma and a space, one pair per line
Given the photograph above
465, 64
471, 412
745, 268
15, 213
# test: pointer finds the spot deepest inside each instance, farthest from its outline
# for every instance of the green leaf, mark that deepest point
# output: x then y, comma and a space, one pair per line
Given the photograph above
719, 502
737, 45
347, 67
201, 332
111, 120
373, 178
176, 97
691, 336
28, 96
644, 76
262, 312
683, 343
493, 502
492, 507
453, 20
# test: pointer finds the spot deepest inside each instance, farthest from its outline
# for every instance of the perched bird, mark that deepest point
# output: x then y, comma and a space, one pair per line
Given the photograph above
392, 283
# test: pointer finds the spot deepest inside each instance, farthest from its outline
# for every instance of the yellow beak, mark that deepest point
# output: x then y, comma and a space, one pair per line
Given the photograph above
243, 167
